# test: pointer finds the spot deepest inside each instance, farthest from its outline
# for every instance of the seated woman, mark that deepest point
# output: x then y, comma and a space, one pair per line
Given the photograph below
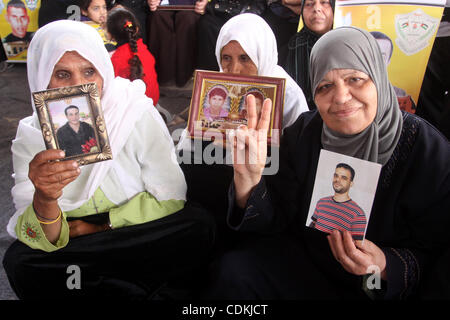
123, 222
358, 116
317, 17
238, 51
132, 60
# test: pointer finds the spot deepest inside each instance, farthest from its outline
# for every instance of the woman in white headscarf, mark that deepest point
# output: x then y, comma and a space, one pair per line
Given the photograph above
115, 219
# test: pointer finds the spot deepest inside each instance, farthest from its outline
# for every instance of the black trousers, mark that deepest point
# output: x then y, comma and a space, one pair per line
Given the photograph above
144, 261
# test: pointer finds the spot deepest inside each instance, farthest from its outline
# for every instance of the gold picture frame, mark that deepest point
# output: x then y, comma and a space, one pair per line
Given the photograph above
84, 130
233, 89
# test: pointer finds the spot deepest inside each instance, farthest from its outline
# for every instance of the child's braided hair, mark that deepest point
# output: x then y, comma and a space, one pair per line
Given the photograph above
123, 27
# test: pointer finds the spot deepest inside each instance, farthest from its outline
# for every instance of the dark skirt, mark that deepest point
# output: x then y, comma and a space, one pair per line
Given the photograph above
137, 262
277, 267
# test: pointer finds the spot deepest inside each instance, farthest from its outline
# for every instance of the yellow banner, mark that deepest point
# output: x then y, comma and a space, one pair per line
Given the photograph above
18, 22
405, 33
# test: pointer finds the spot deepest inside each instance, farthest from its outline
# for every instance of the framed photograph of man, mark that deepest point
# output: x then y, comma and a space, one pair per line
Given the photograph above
72, 120
343, 194
218, 103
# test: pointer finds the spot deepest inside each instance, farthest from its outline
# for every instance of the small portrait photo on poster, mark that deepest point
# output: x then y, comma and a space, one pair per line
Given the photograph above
343, 194
72, 120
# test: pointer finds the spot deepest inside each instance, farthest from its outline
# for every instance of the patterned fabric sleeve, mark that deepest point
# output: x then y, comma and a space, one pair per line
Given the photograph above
258, 213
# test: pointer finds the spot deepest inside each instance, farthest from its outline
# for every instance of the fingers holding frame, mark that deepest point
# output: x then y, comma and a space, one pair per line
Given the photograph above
49, 176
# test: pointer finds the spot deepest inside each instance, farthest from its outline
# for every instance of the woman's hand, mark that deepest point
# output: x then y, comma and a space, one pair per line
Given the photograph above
200, 6
153, 4
249, 149
356, 256
78, 228
49, 176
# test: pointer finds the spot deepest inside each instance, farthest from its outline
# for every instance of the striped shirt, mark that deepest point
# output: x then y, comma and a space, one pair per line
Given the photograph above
347, 215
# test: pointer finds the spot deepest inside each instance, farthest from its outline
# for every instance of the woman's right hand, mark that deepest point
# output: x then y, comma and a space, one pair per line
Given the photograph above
249, 145
49, 177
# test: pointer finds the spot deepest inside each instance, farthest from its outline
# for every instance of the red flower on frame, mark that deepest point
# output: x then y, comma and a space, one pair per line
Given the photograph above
86, 148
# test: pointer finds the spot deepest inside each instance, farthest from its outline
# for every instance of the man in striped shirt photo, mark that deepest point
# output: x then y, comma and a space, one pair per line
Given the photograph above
340, 211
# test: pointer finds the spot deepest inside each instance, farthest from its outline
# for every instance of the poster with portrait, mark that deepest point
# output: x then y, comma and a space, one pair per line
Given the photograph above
405, 31
343, 194
18, 23
72, 120
218, 103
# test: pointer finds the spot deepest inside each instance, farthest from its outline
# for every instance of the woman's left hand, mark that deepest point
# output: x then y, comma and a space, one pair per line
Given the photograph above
356, 256
79, 228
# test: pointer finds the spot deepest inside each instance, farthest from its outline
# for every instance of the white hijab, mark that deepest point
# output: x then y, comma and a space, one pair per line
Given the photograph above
123, 103
258, 41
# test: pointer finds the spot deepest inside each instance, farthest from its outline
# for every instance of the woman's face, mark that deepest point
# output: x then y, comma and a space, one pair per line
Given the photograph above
216, 102
318, 15
234, 59
347, 100
72, 69
96, 11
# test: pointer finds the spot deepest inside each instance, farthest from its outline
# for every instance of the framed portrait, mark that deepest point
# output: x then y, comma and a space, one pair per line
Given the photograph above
343, 194
72, 120
218, 103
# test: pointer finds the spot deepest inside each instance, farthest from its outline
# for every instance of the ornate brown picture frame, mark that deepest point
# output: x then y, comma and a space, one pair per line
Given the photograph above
72, 120
212, 89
